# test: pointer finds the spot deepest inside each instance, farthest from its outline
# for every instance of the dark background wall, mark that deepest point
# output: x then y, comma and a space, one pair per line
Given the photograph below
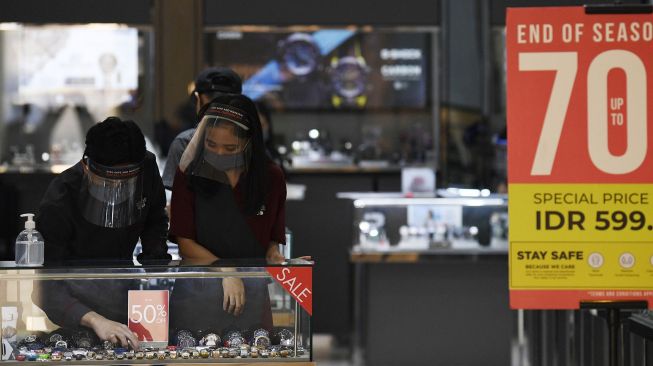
319, 12
77, 11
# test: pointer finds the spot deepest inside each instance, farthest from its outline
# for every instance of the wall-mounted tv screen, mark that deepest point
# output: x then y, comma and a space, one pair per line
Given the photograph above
328, 68
60, 59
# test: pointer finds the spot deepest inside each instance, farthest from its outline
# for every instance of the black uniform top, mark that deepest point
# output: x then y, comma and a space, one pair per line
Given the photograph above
69, 237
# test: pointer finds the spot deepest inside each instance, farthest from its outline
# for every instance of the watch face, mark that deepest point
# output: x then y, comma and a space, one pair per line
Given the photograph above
54, 338
210, 340
300, 55
184, 333
286, 337
82, 339
30, 339
349, 78
186, 342
262, 341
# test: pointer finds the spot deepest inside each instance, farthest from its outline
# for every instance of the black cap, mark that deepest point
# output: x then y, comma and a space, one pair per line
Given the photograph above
114, 142
218, 79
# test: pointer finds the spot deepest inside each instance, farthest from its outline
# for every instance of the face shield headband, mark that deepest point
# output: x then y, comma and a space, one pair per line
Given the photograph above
112, 197
204, 161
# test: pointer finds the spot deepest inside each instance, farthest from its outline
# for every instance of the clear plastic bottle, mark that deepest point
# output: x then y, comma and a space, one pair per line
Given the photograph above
29, 244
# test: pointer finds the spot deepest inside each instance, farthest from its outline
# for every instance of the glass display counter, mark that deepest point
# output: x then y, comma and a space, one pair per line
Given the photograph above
176, 311
384, 223
429, 273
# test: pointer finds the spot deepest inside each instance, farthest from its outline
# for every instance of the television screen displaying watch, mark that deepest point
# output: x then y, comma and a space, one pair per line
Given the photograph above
329, 69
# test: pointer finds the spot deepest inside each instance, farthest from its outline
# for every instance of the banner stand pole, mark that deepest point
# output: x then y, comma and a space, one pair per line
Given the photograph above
613, 317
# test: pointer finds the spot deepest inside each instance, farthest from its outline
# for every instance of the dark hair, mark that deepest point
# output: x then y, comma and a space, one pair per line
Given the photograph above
256, 176
113, 141
218, 79
264, 110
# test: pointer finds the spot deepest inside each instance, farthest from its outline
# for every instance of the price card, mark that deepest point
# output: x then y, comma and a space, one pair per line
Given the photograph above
580, 164
148, 316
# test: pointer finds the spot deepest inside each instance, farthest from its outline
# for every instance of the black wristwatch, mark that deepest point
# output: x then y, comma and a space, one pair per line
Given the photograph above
299, 54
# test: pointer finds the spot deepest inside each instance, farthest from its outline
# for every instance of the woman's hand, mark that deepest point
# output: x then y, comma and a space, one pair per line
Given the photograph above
234, 295
273, 256
108, 330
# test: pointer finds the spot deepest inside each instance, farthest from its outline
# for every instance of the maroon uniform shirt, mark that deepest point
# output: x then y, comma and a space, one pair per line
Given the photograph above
269, 227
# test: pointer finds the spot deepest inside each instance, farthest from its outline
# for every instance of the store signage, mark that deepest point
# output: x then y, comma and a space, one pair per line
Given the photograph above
149, 315
580, 156
298, 282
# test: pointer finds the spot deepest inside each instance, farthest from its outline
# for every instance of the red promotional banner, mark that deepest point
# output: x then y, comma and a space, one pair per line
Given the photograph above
298, 282
580, 175
577, 96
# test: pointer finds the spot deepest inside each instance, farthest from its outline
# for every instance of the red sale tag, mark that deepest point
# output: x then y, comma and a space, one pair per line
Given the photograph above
148, 315
298, 282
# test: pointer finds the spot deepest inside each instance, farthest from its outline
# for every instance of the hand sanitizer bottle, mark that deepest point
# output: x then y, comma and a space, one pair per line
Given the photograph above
29, 244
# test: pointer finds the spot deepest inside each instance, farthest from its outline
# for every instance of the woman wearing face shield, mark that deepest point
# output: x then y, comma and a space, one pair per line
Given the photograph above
228, 202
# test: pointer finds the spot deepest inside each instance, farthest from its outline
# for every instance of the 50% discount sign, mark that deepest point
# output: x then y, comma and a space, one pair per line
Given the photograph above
149, 314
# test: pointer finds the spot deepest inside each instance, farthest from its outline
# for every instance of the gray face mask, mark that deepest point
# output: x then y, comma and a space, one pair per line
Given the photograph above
224, 162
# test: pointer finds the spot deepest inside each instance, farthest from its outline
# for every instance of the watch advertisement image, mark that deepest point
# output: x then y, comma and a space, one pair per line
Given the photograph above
580, 158
328, 69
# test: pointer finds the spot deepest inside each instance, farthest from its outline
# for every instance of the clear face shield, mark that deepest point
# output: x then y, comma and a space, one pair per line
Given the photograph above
112, 197
220, 145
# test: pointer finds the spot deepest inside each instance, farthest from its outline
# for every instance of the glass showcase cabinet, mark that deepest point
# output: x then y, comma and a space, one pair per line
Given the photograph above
176, 313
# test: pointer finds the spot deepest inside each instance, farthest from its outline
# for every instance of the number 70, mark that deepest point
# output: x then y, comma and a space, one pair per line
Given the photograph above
566, 66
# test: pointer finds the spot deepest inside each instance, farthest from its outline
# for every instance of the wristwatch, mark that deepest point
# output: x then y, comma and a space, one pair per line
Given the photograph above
234, 339
186, 342
349, 78
111, 354
299, 54
82, 339
261, 338
284, 353
161, 355
210, 340
286, 337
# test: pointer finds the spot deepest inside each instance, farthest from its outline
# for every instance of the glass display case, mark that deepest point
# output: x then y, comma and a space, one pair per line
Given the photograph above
440, 262
175, 311
394, 223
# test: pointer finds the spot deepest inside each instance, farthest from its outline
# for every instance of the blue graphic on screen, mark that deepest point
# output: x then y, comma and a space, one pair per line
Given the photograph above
269, 77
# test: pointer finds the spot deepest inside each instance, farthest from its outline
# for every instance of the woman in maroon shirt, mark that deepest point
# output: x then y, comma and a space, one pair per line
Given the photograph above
228, 202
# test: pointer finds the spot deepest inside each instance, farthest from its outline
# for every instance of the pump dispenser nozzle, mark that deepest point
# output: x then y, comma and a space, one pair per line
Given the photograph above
29, 224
